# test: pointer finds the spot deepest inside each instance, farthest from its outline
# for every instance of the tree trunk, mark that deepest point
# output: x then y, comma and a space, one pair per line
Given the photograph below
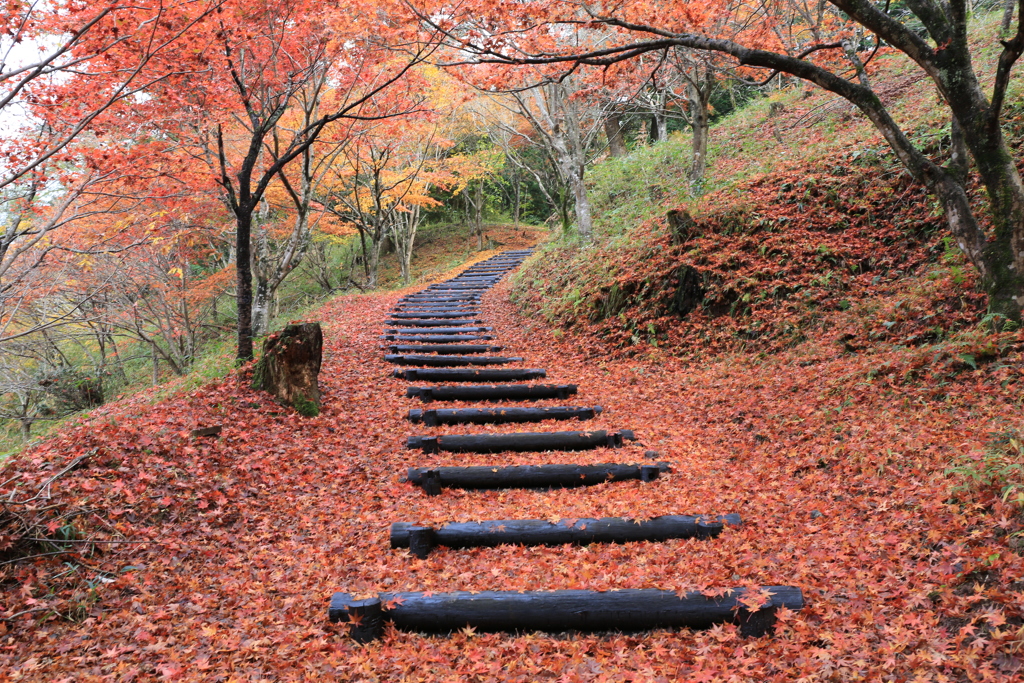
613, 131
478, 215
1004, 26
243, 269
156, 365
661, 114
261, 307
517, 200
584, 220
699, 121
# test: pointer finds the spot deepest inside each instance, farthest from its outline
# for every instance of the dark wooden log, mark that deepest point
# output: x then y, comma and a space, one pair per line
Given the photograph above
440, 306
290, 366
446, 298
528, 476
429, 322
497, 532
433, 311
450, 361
521, 441
430, 310
440, 314
568, 610
455, 290
493, 392
208, 431
452, 416
444, 348
418, 312
438, 338
468, 375
462, 329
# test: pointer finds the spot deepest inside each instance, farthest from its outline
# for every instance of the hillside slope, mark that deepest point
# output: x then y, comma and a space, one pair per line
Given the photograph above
808, 227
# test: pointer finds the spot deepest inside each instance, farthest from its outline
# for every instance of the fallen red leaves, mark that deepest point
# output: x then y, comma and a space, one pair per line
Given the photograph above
241, 539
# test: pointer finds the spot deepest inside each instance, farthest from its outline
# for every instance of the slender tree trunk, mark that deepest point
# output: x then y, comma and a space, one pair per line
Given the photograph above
613, 131
661, 115
156, 364
584, 220
478, 215
700, 121
1008, 6
243, 268
516, 201
261, 307
373, 263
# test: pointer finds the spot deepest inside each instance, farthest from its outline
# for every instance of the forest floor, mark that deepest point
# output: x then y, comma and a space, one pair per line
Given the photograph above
236, 543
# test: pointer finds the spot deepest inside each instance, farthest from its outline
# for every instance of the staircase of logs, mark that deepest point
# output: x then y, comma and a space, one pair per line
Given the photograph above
434, 336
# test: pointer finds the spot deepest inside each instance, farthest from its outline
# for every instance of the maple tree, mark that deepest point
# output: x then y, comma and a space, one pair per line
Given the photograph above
382, 180
829, 55
68, 69
259, 61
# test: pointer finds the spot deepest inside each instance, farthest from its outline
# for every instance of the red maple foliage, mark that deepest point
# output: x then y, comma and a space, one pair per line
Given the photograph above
221, 553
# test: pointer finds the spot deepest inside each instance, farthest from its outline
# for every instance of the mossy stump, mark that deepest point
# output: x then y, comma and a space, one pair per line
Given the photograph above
290, 366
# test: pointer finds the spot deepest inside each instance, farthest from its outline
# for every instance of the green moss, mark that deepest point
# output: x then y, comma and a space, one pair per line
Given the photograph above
259, 374
303, 406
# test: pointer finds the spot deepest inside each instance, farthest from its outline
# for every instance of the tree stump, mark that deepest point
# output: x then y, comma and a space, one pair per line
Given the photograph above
290, 366
681, 225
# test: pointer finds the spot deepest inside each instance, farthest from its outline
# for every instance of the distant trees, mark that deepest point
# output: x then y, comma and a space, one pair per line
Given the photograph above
383, 179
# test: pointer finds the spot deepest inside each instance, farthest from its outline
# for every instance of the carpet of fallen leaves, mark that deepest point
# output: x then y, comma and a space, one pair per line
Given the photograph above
238, 541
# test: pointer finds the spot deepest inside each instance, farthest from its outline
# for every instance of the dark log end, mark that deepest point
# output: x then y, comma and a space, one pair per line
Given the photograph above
429, 444
421, 541
649, 472
415, 416
757, 624
364, 617
432, 483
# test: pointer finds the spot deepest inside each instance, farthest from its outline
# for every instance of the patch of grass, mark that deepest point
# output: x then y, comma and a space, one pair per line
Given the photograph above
998, 469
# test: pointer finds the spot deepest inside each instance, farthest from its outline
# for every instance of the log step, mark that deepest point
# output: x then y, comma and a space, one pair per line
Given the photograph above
430, 311
438, 338
444, 314
492, 392
467, 375
557, 611
500, 415
497, 532
433, 479
449, 361
429, 322
442, 330
443, 348
521, 441
415, 312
